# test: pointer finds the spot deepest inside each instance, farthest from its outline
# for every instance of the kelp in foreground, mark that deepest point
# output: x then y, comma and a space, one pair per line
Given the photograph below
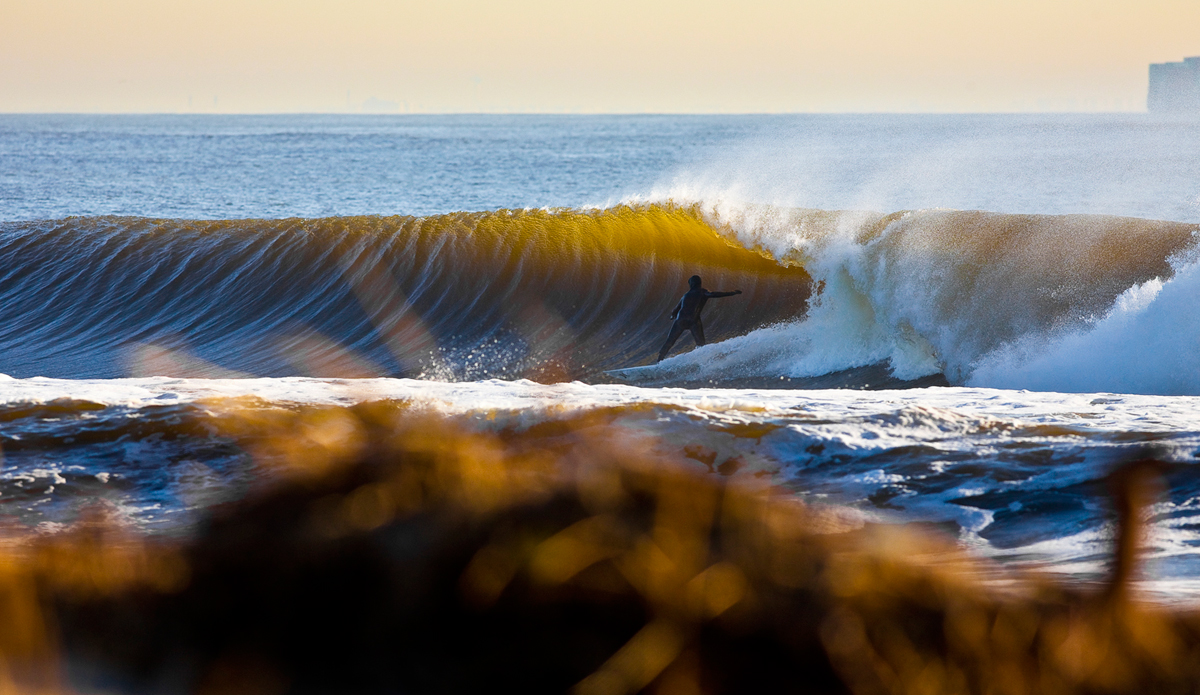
387, 550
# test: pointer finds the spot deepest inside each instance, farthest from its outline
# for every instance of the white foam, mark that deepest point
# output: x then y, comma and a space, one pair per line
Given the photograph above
977, 296
940, 411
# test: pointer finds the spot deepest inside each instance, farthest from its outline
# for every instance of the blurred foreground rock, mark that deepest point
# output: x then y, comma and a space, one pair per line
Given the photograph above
391, 551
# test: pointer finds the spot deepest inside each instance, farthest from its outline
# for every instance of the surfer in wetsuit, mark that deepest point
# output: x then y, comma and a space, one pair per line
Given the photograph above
686, 314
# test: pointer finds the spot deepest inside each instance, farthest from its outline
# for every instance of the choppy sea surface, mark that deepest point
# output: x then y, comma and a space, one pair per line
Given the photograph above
963, 320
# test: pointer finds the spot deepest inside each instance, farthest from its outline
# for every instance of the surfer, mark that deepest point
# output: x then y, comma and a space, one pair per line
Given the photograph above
686, 314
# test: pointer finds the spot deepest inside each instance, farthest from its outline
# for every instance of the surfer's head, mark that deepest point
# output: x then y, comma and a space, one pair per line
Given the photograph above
694, 281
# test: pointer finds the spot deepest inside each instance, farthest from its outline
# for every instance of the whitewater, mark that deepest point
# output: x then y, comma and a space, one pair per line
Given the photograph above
965, 321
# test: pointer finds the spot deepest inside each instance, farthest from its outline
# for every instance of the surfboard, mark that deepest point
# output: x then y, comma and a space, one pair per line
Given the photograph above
637, 374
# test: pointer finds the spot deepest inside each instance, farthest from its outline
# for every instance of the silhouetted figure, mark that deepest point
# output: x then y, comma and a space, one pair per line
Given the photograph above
687, 314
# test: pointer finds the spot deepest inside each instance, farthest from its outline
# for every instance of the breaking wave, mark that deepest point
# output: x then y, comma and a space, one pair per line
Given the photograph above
1075, 302
1050, 302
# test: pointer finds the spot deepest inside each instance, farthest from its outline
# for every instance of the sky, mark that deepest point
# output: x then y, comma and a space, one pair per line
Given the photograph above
586, 56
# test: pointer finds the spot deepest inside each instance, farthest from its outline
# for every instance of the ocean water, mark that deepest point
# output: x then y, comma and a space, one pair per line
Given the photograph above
961, 320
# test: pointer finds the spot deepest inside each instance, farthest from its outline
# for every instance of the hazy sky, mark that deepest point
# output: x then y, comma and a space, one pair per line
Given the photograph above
586, 56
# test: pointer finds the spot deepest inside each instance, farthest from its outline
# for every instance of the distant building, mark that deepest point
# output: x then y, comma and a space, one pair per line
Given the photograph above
1175, 87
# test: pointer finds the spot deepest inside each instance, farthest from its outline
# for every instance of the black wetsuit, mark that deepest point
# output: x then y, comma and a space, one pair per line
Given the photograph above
687, 317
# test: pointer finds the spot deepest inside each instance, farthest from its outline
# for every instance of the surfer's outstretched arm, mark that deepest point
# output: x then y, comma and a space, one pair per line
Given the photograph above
710, 295
675, 311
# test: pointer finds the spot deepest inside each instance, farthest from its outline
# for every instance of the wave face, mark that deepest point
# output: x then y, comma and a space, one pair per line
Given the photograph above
539, 294
1066, 302
1051, 302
